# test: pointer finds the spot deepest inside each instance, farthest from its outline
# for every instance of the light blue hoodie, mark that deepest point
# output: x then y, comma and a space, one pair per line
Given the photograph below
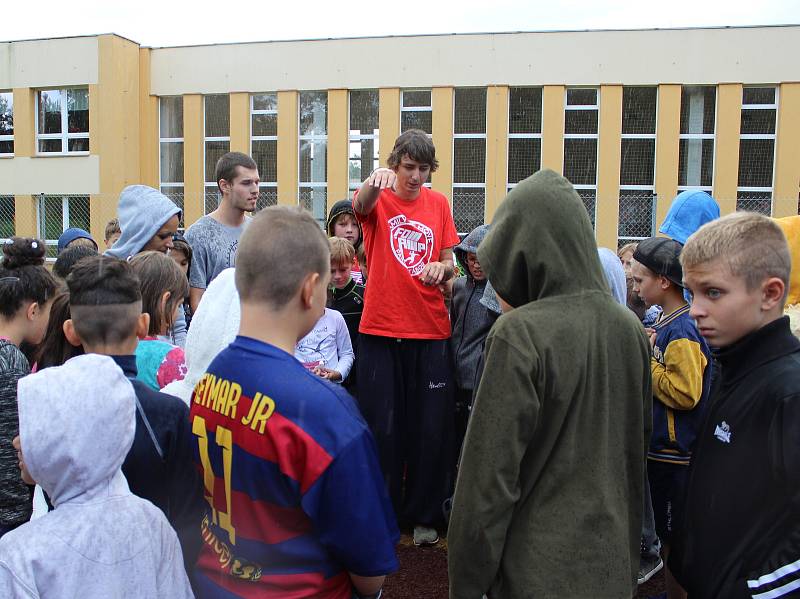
142, 211
615, 275
690, 210
100, 540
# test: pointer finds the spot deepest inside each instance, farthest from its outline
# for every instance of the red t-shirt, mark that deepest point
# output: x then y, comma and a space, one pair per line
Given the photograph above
400, 238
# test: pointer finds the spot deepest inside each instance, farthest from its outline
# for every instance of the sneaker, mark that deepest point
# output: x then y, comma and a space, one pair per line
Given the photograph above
425, 536
648, 567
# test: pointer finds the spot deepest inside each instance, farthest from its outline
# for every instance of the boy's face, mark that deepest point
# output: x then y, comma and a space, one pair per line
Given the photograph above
340, 274
475, 267
180, 259
243, 190
112, 240
646, 284
411, 175
26, 476
346, 227
724, 309
627, 259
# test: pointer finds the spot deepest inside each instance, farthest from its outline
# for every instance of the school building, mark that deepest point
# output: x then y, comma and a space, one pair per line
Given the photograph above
630, 117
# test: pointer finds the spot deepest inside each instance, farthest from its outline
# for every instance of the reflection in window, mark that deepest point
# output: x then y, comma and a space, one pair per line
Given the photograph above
416, 111
264, 146
698, 126
6, 124
62, 120
217, 128
581, 116
313, 150
469, 158
757, 149
363, 136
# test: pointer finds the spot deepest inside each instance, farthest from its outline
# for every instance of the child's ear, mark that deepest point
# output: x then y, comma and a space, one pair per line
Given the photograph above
32, 310
307, 290
163, 304
772, 292
71, 334
142, 325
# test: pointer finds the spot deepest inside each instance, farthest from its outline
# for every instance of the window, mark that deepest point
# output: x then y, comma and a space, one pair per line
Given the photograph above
7, 214
6, 124
313, 192
416, 111
62, 121
581, 118
524, 133
56, 214
363, 136
637, 205
698, 126
217, 125
757, 149
469, 157
170, 143
264, 146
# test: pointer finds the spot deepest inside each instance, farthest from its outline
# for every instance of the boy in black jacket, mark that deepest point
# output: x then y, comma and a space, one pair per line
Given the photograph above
107, 319
346, 295
741, 534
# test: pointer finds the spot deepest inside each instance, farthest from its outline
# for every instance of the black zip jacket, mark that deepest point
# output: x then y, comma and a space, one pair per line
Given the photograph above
349, 300
741, 534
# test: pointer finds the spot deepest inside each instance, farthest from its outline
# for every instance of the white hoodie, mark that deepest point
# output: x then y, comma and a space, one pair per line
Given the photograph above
77, 423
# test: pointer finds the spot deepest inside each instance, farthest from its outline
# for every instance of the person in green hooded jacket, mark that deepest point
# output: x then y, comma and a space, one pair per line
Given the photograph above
548, 501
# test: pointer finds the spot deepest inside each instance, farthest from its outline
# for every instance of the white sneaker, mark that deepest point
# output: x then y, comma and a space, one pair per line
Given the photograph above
424, 535
648, 567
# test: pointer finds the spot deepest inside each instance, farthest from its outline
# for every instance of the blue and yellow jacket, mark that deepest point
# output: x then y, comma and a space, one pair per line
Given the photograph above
681, 380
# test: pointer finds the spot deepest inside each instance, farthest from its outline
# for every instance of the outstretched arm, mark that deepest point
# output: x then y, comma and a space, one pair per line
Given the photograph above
367, 197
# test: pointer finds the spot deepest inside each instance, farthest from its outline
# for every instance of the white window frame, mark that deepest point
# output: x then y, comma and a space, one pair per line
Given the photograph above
773, 136
8, 137
404, 108
595, 136
214, 184
510, 186
470, 136
701, 136
359, 137
40, 215
266, 185
64, 136
13, 207
314, 137
161, 182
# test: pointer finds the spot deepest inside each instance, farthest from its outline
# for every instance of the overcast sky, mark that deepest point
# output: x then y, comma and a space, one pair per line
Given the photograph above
178, 22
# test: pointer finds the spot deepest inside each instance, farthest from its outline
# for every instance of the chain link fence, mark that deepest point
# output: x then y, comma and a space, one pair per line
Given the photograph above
637, 216
755, 202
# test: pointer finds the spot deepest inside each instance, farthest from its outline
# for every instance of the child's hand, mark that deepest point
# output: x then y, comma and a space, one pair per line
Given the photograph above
651, 334
328, 374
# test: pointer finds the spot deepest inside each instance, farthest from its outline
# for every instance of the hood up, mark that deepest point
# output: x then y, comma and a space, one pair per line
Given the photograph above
541, 244
214, 327
142, 211
76, 425
615, 275
343, 207
470, 246
690, 210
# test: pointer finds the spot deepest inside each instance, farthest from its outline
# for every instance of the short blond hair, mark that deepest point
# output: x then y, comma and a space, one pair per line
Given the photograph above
342, 251
751, 245
628, 247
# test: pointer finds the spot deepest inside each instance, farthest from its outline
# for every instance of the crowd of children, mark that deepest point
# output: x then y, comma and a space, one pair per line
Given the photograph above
286, 401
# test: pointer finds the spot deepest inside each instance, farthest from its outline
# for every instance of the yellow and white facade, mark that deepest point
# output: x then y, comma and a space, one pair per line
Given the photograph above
635, 115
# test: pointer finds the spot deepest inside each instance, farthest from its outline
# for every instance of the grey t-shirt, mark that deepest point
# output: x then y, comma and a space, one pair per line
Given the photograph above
214, 248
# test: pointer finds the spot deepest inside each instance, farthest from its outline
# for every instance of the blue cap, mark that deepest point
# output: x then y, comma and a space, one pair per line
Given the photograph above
71, 235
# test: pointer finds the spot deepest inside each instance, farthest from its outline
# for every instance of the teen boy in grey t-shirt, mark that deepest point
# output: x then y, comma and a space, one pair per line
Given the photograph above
214, 248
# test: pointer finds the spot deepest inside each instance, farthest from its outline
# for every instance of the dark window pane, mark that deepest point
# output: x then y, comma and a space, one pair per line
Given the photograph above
314, 199
6, 114
49, 145
755, 162
698, 109
417, 98
265, 102
171, 116
758, 121
758, 95
636, 214
313, 167
417, 120
470, 110
265, 153
7, 214
50, 111
638, 162
589, 199
214, 151
754, 202
218, 115
7, 147
469, 160
267, 196
696, 162
79, 212
171, 161
265, 124
580, 121
77, 110
524, 158
580, 161
525, 110
639, 109
364, 112
313, 113
363, 160
581, 97
468, 208
51, 221
78, 145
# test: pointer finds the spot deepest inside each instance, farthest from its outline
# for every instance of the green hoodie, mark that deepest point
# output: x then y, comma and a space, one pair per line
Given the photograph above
548, 501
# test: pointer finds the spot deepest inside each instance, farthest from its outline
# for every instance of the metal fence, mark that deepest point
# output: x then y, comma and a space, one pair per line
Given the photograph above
637, 216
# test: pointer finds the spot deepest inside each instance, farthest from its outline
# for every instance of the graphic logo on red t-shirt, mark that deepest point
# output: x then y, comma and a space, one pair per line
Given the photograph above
412, 243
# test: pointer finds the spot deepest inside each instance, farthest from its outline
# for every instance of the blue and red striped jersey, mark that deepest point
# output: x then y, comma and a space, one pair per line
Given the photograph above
296, 498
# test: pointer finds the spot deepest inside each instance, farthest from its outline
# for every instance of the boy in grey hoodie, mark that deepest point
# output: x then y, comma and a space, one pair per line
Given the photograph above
100, 540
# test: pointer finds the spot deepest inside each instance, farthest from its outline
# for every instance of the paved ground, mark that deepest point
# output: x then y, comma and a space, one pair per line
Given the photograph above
423, 574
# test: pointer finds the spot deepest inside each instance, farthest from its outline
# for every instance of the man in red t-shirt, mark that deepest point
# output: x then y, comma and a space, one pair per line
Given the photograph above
406, 393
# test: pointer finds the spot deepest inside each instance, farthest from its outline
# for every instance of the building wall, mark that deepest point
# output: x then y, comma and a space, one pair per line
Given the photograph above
125, 83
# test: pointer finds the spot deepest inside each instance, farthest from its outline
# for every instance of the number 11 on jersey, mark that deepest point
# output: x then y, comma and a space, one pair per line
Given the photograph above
224, 440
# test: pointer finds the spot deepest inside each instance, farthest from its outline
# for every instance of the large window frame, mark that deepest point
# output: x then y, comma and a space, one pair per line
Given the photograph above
587, 191
316, 202
43, 227
267, 189
758, 199
212, 195
355, 143
64, 136
535, 137
8, 137
174, 190
466, 192
701, 137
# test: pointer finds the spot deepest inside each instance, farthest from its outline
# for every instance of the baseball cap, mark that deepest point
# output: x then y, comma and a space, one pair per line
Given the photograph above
660, 255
